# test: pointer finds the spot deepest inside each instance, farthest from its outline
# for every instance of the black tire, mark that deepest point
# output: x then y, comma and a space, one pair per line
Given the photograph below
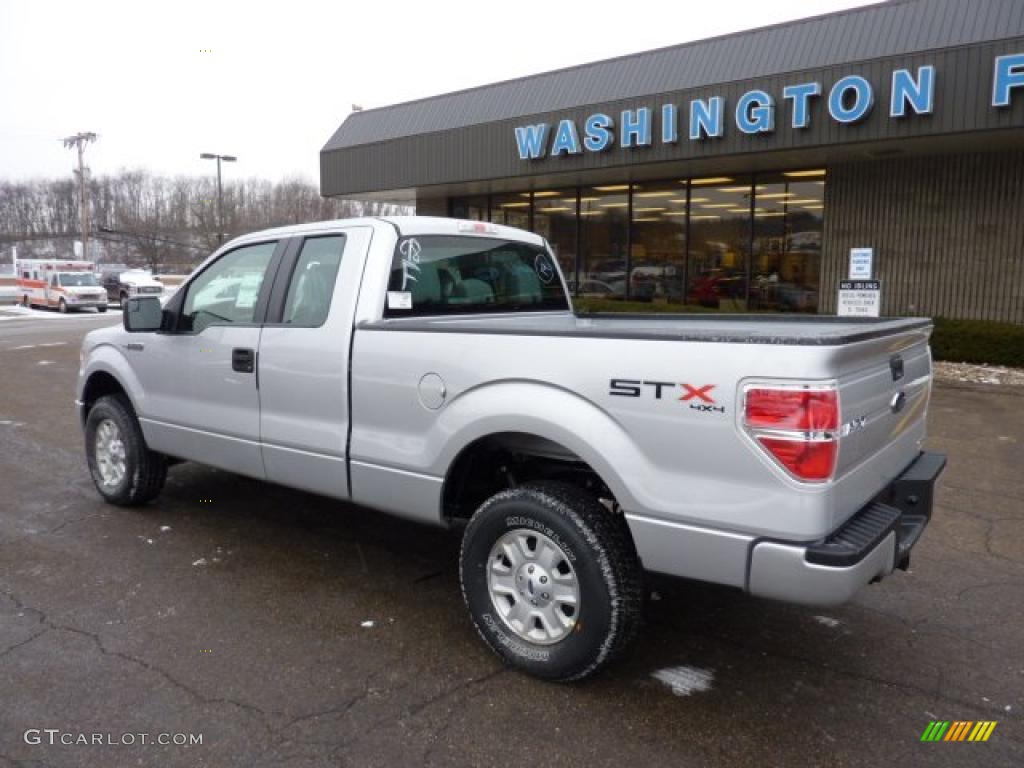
122, 299
62, 307
602, 555
145, 470
102, 308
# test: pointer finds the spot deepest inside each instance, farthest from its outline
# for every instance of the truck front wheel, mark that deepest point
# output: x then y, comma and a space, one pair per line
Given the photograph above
123, 468
552, 580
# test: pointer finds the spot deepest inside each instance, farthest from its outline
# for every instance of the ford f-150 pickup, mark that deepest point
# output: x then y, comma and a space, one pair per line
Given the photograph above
435, 369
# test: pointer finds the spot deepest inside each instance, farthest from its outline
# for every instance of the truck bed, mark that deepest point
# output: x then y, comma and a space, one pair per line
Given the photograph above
809, 330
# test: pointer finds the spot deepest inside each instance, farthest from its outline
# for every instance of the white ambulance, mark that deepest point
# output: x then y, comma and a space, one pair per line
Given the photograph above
60, 284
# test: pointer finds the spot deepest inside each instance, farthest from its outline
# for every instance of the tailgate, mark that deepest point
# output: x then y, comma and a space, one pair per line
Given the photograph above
884, 388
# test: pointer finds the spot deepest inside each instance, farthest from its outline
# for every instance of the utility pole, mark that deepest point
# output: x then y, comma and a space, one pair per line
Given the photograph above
79, 140
220, 191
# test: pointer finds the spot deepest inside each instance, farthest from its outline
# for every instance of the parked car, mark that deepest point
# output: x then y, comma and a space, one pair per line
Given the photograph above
122, 283
434, 369
598, 289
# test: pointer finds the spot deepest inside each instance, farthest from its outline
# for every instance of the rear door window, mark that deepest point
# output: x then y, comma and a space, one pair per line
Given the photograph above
452, 274
312, 283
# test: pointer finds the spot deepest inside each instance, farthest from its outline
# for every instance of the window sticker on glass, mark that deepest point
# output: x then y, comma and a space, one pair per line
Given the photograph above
399, 300
410, 250
248, 290
543, 267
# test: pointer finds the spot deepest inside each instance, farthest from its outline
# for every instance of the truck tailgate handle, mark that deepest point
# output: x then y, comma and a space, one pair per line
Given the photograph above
243, 360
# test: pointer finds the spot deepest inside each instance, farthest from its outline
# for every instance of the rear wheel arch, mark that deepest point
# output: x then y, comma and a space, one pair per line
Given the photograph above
502, 460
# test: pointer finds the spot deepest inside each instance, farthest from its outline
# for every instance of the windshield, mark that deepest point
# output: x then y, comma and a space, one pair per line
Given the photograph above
451, 274
78, 278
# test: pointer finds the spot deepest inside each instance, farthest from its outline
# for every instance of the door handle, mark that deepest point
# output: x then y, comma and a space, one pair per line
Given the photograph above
243, 360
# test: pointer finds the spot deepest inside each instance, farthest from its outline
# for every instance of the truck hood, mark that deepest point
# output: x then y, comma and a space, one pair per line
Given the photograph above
85, 290
141, 282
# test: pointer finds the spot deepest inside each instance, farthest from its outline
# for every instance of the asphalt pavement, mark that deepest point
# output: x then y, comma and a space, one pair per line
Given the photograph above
291, 630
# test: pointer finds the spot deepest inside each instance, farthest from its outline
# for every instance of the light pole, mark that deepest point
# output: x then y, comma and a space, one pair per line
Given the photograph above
220, 191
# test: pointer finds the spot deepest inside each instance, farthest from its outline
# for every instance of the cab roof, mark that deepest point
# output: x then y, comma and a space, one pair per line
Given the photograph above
406, 225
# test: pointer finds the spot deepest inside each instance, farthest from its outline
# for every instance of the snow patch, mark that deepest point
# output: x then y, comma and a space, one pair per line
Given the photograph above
685, 681
164, 528
827, 621
45, 362
200, 561
366, 624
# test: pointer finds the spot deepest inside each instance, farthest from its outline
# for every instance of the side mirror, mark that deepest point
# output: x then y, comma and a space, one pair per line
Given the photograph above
142, 314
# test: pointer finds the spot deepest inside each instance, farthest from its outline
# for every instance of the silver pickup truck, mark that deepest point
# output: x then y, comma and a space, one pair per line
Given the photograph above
435, 369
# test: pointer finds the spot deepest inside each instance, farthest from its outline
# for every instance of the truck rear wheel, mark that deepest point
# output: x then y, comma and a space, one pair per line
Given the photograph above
552, 580
123, 468
62, 307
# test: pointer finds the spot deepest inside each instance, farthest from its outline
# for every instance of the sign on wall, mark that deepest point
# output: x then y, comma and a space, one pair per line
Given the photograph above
860, 298
861, 263
850, 99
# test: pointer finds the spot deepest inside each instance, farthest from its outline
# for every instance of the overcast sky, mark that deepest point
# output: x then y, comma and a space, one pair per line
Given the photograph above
280, 77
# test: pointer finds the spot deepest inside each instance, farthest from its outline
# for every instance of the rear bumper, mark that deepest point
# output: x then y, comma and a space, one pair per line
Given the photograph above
867, 547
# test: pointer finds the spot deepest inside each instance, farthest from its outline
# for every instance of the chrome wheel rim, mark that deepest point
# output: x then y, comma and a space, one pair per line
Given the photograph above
533, 586
110, 453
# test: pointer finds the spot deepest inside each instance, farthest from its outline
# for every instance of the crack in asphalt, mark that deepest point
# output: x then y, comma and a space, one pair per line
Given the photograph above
840, 671
51, 531
151, 668
414, 711
276, 733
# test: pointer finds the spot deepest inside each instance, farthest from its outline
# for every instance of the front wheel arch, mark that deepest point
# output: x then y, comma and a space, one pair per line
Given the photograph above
100, 384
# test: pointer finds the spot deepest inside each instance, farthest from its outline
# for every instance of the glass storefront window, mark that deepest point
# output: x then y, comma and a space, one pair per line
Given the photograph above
604, 235
732, 243
472, 208
511, 210
786, 258
554, 218
658, 242
719, 242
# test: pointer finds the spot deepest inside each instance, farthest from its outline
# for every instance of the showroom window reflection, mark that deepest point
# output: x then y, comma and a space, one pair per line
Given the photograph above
733, 243
511, 210
657, 271
786, 252
604, 240
719, 242
554, 219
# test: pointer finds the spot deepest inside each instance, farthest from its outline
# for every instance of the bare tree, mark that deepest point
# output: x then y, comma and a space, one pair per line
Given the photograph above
166, 223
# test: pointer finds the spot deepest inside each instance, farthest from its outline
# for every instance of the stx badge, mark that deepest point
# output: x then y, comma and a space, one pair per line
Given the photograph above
701, 395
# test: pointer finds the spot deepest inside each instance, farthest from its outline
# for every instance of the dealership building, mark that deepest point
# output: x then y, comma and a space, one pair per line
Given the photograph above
739, 172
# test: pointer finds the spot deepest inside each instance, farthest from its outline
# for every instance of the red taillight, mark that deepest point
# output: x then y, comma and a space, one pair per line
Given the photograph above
796, 426
807, 410
807, 460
